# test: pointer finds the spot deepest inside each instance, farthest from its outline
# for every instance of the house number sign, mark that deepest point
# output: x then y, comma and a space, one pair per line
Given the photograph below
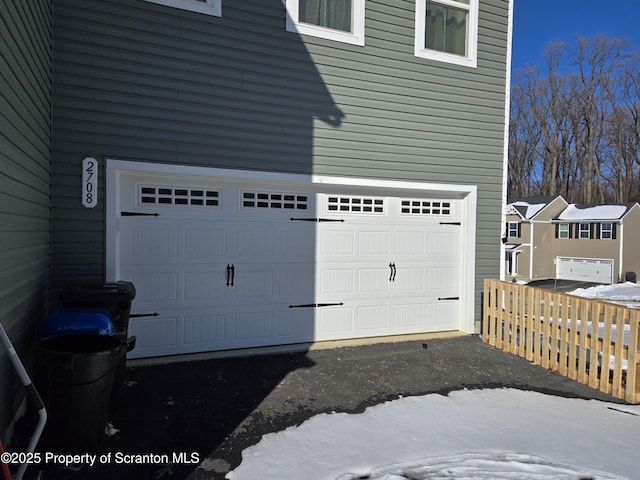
89, 182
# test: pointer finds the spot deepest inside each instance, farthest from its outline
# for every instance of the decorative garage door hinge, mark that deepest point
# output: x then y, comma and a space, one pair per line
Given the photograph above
138, 214
450, 223
448, 298
318, 220
316, 305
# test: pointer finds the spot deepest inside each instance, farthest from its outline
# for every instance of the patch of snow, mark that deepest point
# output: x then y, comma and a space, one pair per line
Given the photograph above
494, 433
510, 466
532, 208
599, 212
627, 293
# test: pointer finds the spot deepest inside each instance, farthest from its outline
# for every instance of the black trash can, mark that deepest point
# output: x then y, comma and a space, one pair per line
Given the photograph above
74, 375
115, 297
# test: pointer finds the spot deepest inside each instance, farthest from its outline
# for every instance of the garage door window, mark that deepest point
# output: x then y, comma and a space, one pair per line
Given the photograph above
425, 207
356, 204
270, 200
163, 195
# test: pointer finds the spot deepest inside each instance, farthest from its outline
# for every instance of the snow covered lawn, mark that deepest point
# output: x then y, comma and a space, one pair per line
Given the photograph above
471, 434
627, 294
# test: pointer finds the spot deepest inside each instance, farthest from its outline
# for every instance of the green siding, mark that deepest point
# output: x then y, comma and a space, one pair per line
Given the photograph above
25, 91
139, 81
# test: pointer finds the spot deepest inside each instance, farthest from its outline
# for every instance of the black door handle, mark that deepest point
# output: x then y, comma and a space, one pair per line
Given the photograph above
228, 274
233, 274
392, 272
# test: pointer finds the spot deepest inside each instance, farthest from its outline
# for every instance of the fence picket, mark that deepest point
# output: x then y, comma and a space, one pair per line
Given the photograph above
566, 334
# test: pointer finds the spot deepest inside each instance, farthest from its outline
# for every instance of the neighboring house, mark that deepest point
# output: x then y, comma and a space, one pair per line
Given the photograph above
529, 227
548, 238
268, 173
597, 243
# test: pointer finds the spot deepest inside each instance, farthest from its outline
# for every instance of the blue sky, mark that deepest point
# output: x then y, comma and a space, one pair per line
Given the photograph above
537, 22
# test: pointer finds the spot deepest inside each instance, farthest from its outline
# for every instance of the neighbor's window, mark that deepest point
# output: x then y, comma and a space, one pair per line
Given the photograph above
563, 230
513, 229
208, 7
341, 20
447, 31
584, 230
606, 231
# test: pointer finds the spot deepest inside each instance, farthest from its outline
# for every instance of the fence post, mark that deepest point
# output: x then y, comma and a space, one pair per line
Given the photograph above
633, 360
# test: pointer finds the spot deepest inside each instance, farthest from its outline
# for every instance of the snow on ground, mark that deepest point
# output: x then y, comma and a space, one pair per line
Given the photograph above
627, 293
470, 434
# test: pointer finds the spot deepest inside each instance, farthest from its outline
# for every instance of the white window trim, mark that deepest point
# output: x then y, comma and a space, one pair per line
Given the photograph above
355, 38
209, 7
606, 231
584, 231
513, 229
563, 234
471, 59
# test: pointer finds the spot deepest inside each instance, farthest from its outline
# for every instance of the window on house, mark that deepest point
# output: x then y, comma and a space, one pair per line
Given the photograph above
513, 229
341, 20
447, 31
584, 230
606, 231
208, 7
563, 230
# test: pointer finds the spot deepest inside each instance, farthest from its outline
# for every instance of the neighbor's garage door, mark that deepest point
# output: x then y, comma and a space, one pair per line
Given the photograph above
220, 265
585, 269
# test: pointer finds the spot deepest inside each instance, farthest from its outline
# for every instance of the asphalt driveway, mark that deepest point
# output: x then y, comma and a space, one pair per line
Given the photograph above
210, 410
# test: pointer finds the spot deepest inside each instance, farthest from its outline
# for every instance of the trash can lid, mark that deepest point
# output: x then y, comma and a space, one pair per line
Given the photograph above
93, 291
66, 321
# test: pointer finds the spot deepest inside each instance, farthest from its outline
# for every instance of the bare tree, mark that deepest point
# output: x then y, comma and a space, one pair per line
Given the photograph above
575, 130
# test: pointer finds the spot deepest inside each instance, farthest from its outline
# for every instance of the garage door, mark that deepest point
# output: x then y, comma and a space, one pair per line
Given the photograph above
223, 264
597, 270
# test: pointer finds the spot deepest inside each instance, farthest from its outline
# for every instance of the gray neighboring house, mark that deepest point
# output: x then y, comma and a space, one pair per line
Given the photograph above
267, 173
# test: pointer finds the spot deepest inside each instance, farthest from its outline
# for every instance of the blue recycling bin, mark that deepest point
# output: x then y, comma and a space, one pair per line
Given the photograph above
67, 321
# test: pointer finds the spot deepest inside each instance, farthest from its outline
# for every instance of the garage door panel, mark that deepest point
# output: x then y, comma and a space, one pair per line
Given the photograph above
410, 243
409, 280
148, 241
204, 328
374, 243
374, 318
443, 244
335, 322
443, 316
337, 243
374, 280
442, 279
409, 317
336, 281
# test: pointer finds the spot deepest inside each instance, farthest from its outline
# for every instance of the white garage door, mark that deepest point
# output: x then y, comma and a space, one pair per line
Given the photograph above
220, 264
597, 270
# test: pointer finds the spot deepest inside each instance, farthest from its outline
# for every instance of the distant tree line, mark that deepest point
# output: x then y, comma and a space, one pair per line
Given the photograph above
575, 125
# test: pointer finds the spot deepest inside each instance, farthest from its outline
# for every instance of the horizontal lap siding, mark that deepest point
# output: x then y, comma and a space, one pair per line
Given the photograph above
25, 91
135, 80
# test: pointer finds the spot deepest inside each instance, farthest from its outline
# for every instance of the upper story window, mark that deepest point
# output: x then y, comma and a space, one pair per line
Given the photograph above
208, 7
340, 20
514, 229
447, 31
606, 231
563, 230
584, 230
